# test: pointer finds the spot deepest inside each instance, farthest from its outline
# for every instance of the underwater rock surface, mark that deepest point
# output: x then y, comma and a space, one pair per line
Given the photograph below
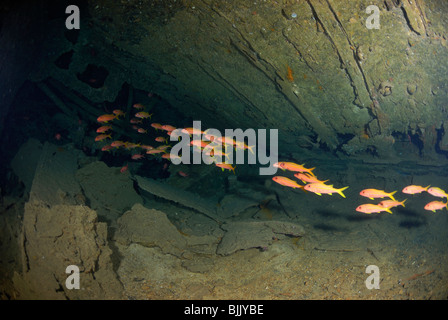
56, 237
255, 234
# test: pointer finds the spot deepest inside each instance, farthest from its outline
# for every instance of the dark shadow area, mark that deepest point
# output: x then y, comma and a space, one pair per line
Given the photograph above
94, 76
329, 227
325, 213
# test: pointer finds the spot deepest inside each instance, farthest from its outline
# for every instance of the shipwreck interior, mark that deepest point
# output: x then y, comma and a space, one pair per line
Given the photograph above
355, 93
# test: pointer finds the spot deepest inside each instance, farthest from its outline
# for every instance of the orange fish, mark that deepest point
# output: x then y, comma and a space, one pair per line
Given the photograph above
137, 156
118, 113
321, 188
124, 168
215, 153
286, 182
135, 120
141, 130
306, 178
138, 106
291, 166
143, 115
437, 192
146, 147
154, 151
103, 129
413, 189
105, 118
225, 140
169, 157
276, 165
163, 147
117, 144
374, 193
156, 126
182, 174
436, 205
168, 128
289, 74
191, 131
130, 145
242, 145
106, 147
371, 208
209, 137
391, 203
199, 143
226, 166
102, 137
160, 139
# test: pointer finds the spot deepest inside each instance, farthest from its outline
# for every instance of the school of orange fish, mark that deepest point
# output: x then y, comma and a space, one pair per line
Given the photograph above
311, 182
139, 123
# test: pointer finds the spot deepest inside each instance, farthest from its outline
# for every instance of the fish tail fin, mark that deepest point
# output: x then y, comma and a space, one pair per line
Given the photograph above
340, 191
233, 169
250, 149
391, 195
402, 202
311, 171
388, 210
